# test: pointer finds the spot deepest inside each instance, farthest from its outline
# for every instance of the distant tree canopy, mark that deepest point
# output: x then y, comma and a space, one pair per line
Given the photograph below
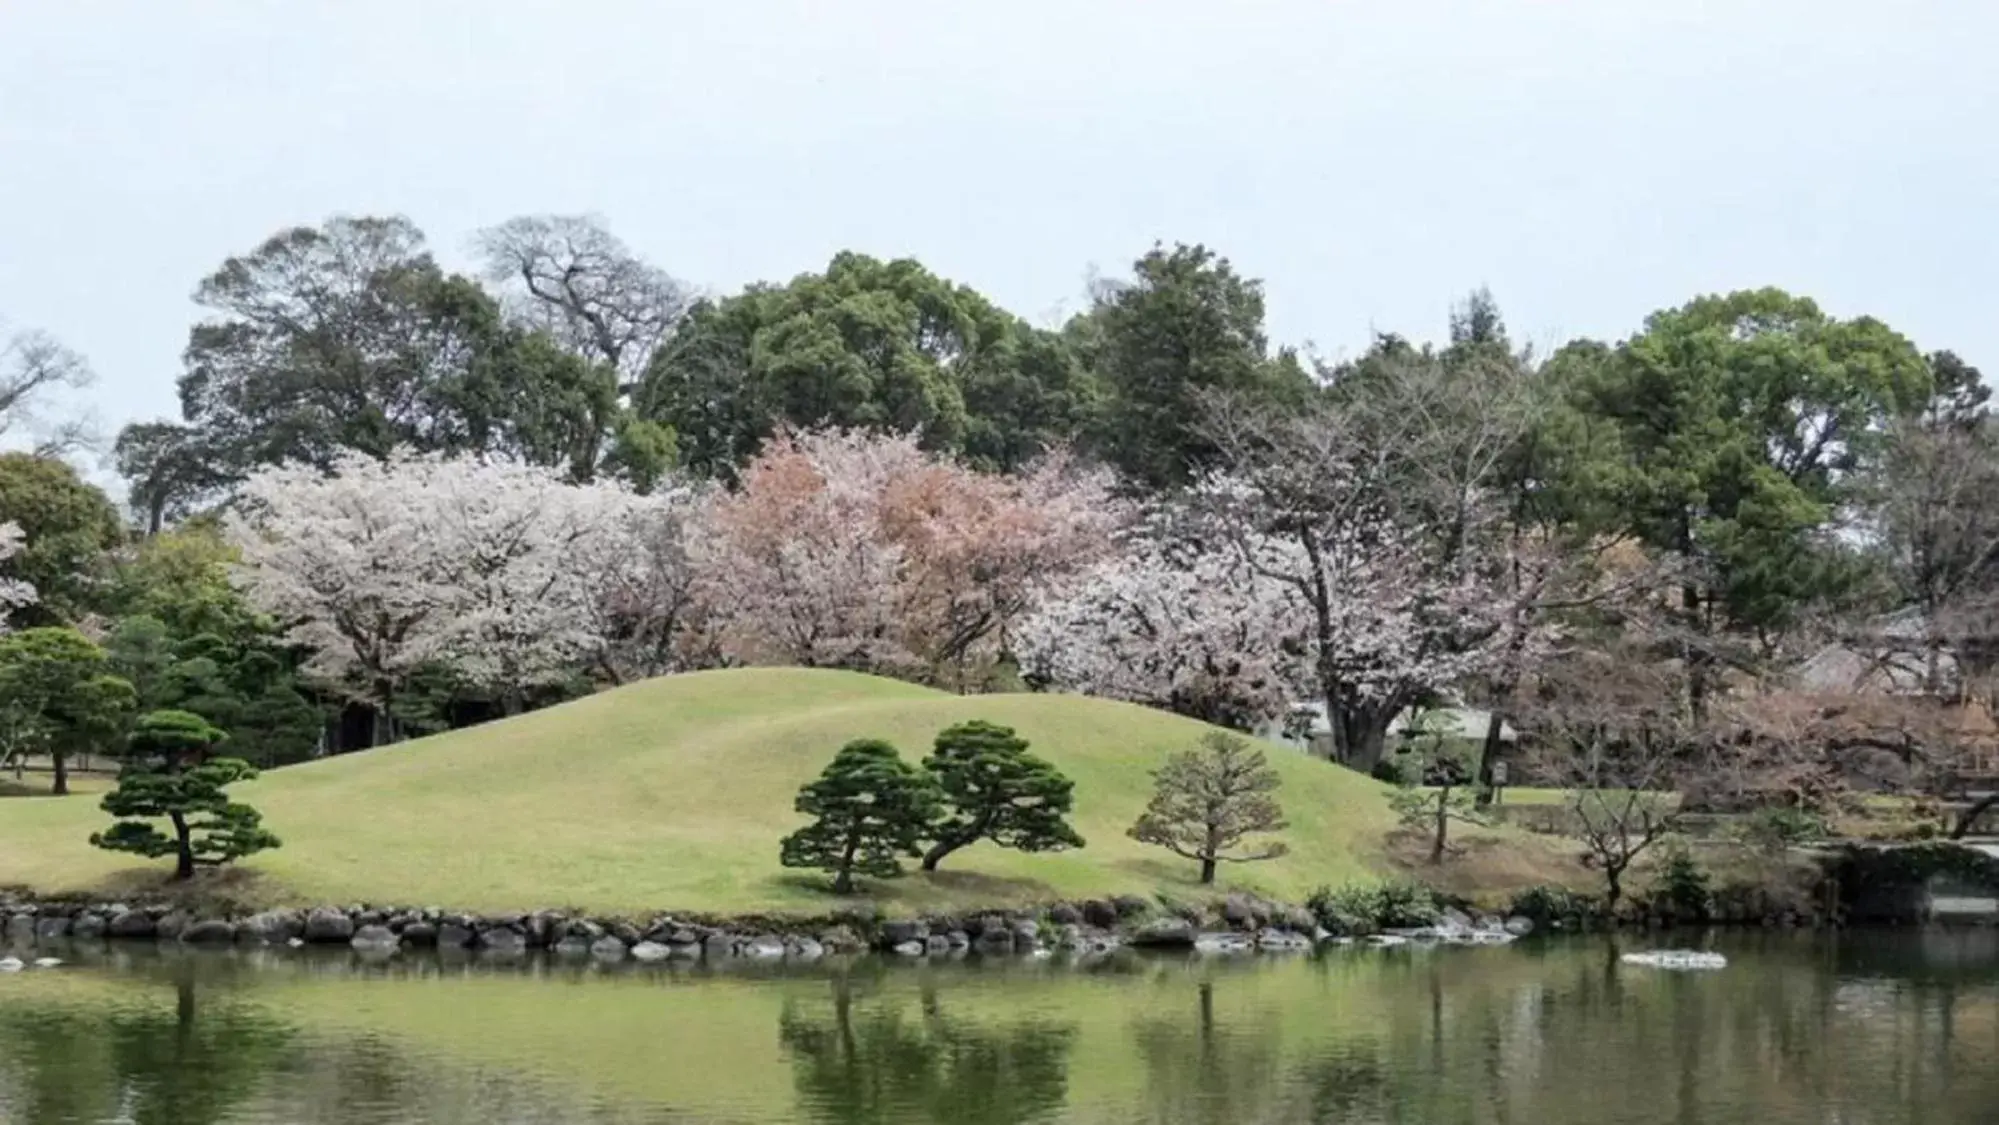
67, 524
867, 344
472, 493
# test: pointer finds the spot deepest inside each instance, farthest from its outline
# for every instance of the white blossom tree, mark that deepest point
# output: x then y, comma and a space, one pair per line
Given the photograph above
504, 574
1169, 624
14, 592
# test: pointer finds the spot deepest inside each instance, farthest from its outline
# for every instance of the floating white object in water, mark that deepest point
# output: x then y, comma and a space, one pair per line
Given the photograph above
10, 964
1676, 959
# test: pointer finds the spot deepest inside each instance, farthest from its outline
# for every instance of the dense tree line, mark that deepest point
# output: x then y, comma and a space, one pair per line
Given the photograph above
415, 498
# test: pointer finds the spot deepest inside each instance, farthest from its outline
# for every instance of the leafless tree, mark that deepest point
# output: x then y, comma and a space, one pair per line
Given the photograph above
1937, 502
1382, 495
35, 370
1614, 727
572, 276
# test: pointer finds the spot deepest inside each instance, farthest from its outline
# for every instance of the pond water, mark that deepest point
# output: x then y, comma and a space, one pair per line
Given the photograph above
1799, 1029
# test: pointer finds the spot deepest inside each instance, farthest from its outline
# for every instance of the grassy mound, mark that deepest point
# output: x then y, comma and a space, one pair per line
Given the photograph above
672, 794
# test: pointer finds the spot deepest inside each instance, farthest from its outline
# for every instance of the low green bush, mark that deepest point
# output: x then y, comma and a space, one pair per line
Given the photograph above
1551, 907
1684, 887
1782, 826
1367, 908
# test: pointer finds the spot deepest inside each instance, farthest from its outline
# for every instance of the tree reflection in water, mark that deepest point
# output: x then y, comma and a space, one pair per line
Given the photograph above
871, 1060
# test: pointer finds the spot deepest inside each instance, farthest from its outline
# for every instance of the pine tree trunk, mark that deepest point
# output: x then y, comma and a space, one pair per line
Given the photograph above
61, 763
183, 847
936, 854
1443, 824
843, 878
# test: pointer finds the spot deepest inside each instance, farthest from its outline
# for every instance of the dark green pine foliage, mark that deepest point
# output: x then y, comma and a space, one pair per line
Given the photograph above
997, 791
871, 807
170, 777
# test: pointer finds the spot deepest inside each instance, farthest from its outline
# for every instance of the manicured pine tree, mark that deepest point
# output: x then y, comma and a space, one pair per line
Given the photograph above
1206, 801
871, 808
997, 791
170, 776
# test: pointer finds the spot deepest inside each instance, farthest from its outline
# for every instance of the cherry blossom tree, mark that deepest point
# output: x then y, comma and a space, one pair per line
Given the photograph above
14, 592
1170, 624
850, 549
505, 574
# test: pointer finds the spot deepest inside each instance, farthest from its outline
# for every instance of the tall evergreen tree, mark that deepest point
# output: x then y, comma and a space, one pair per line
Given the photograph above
1185, 326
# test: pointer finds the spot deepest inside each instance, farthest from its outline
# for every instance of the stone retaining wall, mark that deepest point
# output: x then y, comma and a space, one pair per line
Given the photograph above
1092, 926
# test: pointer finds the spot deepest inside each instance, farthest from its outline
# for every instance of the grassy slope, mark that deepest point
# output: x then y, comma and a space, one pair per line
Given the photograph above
671, 794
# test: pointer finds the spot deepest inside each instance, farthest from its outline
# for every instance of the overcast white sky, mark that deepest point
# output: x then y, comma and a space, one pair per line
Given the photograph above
1589, 160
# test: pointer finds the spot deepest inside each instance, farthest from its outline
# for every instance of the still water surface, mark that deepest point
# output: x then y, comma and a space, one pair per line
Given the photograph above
1877, 1029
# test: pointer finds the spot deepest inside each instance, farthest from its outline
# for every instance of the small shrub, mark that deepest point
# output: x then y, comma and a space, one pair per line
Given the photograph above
1366, 908
1684, 886
1779, 827
1551, 907
1393, 770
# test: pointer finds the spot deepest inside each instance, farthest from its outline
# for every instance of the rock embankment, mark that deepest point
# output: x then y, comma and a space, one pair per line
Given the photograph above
1237, 924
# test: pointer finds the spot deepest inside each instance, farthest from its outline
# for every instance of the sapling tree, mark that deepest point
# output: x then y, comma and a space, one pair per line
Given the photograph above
1206, 801
871, 807
171, 777
1442, 795
995, 790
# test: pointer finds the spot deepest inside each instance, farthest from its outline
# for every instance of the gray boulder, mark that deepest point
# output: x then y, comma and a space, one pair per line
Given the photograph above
910, 949
376, 937
1519, 926
21, 928
576, 946
994, 942
1282, 941
1063, 914
1100, 913
170, 924
419, 935
88, 926
937, 944
329, 926
503, 939
804, 949
718, 946
271, 927
48, 927
958, 939
454, 935
1164, 933
900, 933
608, 948
762, 948
1223, 943
651, 951
132, 924
1026, 935
209, 931
841, 939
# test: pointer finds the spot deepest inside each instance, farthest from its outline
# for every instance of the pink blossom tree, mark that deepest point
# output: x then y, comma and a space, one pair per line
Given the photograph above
851, 549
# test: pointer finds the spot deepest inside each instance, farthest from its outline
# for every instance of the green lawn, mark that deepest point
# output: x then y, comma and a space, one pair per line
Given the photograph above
672, 794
